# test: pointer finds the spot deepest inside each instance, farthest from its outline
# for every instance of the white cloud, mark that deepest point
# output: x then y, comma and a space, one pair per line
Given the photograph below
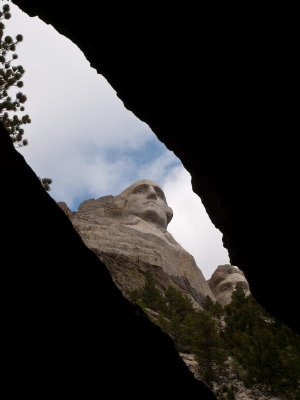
76, 116
191, 226
82, 137
159, 167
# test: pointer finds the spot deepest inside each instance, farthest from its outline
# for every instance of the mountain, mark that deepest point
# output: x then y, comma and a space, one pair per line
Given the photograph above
131, 246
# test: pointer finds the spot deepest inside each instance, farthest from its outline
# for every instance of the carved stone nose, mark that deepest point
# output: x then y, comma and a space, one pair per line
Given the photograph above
151, 193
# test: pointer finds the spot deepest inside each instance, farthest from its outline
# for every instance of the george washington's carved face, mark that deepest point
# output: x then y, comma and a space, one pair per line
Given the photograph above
147, 200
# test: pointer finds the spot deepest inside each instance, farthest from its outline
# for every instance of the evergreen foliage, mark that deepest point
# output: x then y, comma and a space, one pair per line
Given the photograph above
194, 331
215, 309
240, 338
266, 351
200, 336
11, 77
226, 392
46, 182
151, 296
178, 311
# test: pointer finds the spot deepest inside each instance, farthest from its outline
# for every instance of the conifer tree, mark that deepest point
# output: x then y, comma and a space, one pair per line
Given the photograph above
151, 297
206, 343
267, 351
178, 309
215, 309
10, 76
12, 101
262, 350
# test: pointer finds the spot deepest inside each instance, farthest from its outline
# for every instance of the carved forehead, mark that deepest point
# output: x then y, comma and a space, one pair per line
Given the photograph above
221, 273
141, 182
235, 277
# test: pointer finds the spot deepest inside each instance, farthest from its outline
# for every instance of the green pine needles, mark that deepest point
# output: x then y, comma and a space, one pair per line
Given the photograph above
238, 343
11, 74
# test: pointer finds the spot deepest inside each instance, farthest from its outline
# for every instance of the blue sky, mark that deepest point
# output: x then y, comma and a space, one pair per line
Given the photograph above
84, 138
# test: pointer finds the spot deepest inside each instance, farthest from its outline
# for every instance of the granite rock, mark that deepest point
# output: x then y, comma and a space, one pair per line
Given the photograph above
129, 246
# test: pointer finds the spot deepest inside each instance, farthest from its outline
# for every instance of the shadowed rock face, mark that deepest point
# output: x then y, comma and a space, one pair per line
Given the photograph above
224, 281
129, 234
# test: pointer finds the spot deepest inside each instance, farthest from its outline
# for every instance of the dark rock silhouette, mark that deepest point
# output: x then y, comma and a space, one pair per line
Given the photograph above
220, 94
66, 327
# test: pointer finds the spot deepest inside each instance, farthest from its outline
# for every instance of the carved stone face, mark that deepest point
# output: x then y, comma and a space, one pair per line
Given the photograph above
147, 200
225, 288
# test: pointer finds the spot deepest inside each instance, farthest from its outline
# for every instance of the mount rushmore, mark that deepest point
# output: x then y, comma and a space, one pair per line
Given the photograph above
128, 232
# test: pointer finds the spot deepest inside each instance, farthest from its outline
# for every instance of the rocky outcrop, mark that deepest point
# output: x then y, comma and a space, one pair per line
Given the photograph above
230, 380
130, 247
191, 363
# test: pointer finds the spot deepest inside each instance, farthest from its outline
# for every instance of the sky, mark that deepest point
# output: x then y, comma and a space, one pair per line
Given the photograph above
84, 139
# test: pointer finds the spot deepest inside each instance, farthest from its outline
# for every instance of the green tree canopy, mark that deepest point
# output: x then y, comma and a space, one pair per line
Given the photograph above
11, 105
242, 337
267, 351
151, 296
11, 99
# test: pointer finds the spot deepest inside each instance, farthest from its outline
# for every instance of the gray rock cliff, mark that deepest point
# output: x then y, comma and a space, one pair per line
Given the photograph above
129, 246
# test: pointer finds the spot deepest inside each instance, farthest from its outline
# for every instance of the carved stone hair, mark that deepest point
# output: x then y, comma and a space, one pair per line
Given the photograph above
221, 273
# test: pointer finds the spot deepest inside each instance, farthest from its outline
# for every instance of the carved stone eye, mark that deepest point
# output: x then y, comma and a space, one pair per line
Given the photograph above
139, 190
159, 193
